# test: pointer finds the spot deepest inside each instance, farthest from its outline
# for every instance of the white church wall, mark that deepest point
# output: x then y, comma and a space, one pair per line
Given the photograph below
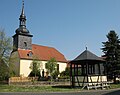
25, 64
62, 66
24, 67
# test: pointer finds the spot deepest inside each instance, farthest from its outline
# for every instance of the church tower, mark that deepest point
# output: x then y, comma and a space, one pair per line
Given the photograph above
22, 39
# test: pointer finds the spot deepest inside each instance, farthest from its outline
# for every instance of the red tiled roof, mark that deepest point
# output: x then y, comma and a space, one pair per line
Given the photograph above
42, 53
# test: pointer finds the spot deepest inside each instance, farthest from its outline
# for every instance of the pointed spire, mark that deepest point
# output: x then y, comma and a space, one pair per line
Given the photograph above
23, 13
22, 16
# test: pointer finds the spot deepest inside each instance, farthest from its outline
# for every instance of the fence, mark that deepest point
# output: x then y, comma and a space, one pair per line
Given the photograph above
21, 80
33, 81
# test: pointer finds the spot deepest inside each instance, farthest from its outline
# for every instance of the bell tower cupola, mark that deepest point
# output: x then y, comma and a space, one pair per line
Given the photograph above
22, 39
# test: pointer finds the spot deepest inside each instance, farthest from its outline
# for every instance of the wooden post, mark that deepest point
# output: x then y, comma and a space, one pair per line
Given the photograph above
71, 74
99, 69
87, 71
77, 69
74, 76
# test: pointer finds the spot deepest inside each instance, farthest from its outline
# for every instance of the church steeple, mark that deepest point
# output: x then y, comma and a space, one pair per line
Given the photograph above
22, 39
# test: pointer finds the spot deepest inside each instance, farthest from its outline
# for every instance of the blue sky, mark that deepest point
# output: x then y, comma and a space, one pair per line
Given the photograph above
67, 25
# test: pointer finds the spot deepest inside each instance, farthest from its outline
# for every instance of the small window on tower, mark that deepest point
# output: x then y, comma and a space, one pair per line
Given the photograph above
25, 45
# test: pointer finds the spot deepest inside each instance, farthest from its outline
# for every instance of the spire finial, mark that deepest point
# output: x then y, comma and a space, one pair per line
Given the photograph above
86, 47
23, 2
22, 8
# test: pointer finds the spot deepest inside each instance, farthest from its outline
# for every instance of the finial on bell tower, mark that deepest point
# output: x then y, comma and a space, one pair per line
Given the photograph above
23, 2
22, 7
86, 47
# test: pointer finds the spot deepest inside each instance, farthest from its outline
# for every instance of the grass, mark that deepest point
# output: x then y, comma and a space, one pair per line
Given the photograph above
113, 86
16, 88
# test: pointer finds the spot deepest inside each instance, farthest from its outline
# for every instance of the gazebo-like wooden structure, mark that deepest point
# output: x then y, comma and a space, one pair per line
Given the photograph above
87, 69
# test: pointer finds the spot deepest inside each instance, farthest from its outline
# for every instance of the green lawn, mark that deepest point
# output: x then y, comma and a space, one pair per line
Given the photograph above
113, 86
14, 88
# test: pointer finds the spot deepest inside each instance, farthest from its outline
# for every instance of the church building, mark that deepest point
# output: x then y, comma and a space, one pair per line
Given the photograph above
24, 51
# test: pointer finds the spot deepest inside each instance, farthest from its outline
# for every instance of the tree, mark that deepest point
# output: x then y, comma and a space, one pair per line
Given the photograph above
51, 67
35, 67
4, 72
111, 49
5, 47
5, 51
66, 73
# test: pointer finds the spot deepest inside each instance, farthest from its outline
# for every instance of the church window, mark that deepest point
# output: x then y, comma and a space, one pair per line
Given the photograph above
25, 45
30, 54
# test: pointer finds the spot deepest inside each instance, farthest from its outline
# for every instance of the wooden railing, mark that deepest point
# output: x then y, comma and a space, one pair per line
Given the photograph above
95, 85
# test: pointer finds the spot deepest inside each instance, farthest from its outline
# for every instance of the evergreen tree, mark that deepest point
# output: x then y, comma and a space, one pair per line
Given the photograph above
111, 49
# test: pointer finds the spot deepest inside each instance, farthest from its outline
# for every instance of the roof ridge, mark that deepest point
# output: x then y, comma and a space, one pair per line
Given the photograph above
43, 46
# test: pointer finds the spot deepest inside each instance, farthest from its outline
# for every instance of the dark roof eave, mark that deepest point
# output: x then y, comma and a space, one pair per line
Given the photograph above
90, 60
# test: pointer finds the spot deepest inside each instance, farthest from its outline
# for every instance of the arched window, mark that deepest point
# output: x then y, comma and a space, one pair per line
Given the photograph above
25, 45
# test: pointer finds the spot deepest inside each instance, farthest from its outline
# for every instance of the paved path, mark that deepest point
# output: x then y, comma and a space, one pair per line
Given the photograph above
90, 92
